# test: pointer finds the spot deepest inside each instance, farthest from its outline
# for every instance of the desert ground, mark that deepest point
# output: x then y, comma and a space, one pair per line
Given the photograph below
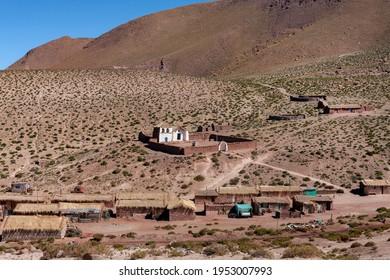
74, 120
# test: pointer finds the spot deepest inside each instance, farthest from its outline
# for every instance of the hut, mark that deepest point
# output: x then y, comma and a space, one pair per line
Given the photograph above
217, 209
9, 202
81, 212
36, 209
205, 196
280, 191
347, 108
372, 187
33, 227
180, 210
20, 187
106, 199
229, 195
312, 204
149, 208
271, 203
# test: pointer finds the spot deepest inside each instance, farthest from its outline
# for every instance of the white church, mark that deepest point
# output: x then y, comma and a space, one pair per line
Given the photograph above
169, 134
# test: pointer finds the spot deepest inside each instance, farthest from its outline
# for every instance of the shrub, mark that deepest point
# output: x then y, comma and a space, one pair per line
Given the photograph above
199, 178
356, 245
138, 255
98, 237
304, 251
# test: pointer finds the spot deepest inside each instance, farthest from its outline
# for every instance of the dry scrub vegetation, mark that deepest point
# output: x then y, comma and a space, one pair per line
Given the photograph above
74, 120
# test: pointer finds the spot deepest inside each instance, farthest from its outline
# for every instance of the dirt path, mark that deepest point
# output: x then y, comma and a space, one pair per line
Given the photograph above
281, 90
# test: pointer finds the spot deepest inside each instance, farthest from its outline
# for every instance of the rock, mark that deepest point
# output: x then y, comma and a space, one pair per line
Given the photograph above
60, 254
33, 249
24, 251
10, 251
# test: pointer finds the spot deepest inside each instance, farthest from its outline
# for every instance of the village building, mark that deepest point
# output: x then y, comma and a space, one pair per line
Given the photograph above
143, 196
82, 212
348, 108
372, 187
280, 191
33, 227
270, 204
234, 195
180, 142
9, 202
165, 134
215, 127
151, 209
107, 199
26, 209
312, 204
179, 210
21, 187
205, 196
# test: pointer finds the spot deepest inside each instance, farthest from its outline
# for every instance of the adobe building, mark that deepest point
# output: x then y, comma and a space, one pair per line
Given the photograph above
21, 187
215, 127
168, 134
234, 195
205, 196
9, 202
107, 199
348, 108
179, 210
312, 204
372, 187
271, 203
287, 117
307, 98
151, 209
280, 191
33, 227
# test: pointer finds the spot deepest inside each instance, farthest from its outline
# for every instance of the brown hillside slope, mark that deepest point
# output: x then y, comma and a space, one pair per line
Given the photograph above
240, 37
50, 53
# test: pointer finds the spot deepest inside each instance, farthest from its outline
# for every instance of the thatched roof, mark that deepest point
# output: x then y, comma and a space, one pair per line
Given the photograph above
237, 190
142, 196
31, 208
280, 189
375, 183
80, 207
206, 192
265, 199
83, 198
141, 204
307, 198
35, 223
21, 198
176, 203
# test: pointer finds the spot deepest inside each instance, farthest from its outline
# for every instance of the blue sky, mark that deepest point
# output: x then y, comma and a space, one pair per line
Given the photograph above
26, 24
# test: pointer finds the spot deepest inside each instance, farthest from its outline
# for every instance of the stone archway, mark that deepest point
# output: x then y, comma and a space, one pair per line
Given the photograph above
223, 146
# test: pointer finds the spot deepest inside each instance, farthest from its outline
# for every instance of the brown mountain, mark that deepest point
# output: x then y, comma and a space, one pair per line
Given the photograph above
50, 53
239, 37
